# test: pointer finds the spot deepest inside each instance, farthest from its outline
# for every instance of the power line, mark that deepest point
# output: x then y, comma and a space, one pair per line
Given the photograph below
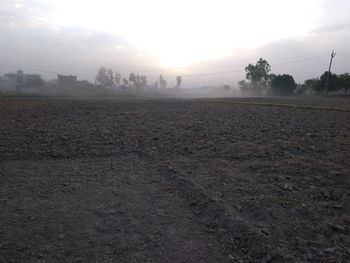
299, 60
38, 69
73, 68
243, 70
343, 53
244, 64
31, 66
208, 74
52, 67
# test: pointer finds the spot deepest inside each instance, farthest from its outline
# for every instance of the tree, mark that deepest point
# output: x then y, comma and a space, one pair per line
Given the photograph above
110, 75
308, 87
162, 82
311, 83
344, 81
101, 75
282, 85
300, 89
117, 78
258, 75
105, 77
259, 72
143, 80
244, 86
178, 82
20, 78
333, 83
138, 81
132, 79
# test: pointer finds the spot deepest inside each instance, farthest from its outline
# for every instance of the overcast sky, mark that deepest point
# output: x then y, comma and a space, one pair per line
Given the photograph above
207, 42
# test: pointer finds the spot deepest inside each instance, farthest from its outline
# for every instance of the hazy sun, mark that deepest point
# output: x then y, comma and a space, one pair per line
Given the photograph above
182, 32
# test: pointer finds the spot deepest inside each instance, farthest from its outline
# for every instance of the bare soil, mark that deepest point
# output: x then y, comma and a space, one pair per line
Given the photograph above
160, 180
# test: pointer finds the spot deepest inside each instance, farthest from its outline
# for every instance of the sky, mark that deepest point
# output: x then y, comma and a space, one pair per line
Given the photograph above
207, 42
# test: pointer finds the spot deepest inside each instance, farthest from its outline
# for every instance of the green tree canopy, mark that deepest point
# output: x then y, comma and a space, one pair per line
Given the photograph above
259, 72
333, 82
257, 75
282, 85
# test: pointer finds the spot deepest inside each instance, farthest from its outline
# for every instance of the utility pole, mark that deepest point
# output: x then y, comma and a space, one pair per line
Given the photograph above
329, 71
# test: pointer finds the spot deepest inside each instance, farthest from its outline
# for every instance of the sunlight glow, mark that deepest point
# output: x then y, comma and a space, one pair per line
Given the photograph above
182, 32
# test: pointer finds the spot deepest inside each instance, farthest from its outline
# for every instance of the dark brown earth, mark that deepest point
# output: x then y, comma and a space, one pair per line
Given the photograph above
141, 180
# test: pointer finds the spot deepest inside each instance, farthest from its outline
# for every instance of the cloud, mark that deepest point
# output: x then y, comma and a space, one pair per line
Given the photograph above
68, 51
11, 18
29, 40
332, 28
18, 13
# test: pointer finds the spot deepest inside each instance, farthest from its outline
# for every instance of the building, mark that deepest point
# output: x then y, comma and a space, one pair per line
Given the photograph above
67, 81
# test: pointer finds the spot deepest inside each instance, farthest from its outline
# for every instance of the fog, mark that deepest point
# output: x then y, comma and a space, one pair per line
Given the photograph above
207, 48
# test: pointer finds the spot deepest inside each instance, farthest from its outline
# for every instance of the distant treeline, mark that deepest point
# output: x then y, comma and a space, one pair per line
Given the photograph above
109, 79
260, 82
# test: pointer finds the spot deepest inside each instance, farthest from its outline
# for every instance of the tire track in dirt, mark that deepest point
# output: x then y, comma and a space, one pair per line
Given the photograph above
111, 209
234, 232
